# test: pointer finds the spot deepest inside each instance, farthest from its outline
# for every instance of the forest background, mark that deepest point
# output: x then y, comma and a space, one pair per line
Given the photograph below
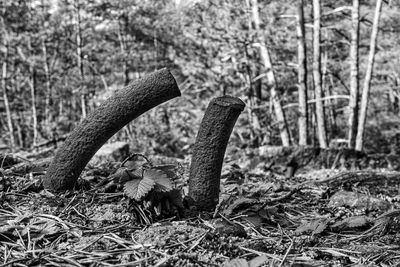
302, 68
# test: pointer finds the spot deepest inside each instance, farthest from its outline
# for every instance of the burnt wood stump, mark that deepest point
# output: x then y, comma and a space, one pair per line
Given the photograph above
121, 108
209, 150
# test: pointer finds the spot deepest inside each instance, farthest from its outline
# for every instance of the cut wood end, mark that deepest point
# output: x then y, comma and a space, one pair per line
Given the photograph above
229, 101
165, 75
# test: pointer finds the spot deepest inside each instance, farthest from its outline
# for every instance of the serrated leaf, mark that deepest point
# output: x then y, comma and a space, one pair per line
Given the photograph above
169, 169
139, 188
163, 183
137, 173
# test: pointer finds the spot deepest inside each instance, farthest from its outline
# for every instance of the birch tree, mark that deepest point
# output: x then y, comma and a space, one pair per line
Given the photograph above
32, 86
302, 75
368, 76
271, 80
319, 107
4, 82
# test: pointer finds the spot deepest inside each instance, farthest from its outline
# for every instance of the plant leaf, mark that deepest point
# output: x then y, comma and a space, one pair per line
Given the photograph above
139, 188
169, 169
137, 173
163, 183
121, 175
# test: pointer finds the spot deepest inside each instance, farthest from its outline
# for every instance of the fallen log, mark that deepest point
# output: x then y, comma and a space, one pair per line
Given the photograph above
121, 108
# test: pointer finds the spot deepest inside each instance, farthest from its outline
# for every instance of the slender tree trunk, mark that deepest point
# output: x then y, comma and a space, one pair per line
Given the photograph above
251, 101
274, 94
20, 121
302, 76
333, 104
354, 85
258, 86
254, 94
327, 86
367, 81
5, 95
19, 130
48, 96
326, 94
32, 85
80, 57
317, 75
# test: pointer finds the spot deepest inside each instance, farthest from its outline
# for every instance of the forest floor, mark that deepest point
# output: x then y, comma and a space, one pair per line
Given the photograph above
318, 217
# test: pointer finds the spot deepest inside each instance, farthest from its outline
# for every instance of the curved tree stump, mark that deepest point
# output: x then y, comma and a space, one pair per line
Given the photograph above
209, 150
124, 106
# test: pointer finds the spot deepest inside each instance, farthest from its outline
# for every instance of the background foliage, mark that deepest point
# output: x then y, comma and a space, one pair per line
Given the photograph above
211, 48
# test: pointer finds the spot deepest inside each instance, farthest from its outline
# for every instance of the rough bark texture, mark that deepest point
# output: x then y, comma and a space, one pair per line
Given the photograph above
124, 106
209, 150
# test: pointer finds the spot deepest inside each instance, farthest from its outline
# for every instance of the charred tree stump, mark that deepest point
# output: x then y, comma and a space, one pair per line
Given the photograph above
209, 150
124, 106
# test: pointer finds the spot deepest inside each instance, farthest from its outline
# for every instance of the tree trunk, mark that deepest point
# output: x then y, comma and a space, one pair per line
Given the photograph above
5, 95
327, 97
274, 94
32, 85
302, 76
334, 104
251, 102
80, 58
48, 96
209, 150
354, 85
21, 142
317, 75
124, 106
20, 121
367, 81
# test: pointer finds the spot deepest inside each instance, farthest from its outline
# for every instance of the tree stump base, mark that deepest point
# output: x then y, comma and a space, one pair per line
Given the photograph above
209, 150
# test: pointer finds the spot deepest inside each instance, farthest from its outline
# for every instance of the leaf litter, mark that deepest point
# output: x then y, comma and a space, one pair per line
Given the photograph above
120, 216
